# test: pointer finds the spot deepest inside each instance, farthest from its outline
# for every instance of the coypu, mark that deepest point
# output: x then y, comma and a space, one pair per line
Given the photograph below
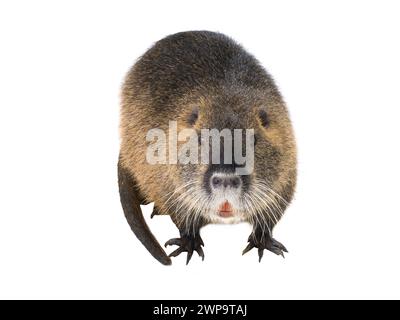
205, 80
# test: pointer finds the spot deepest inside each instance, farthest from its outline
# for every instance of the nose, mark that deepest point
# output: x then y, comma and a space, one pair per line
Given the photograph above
225, 181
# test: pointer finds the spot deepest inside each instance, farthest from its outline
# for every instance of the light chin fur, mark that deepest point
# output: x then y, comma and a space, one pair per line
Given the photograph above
194, 199
230, 220
234, 199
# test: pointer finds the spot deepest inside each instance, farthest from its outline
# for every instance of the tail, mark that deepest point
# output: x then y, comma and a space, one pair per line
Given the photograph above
131, 200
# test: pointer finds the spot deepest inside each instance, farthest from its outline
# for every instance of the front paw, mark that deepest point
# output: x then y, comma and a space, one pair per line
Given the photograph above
265, 242
187, 243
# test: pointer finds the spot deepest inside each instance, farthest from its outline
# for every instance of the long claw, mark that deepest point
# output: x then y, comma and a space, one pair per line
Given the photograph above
265, 243
248, 248
173, 242
189, 256
177, 252
200, 252
187, 244
260, 254
154, 213
279, 245
275, 249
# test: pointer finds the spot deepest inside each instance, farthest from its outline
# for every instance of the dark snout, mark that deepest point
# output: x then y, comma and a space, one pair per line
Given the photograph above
220, 181
224, 177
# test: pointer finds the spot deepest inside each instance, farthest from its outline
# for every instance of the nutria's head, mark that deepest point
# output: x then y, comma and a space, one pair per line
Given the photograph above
229, 191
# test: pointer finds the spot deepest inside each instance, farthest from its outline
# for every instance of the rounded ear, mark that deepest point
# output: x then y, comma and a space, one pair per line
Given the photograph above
193, 116
263, 116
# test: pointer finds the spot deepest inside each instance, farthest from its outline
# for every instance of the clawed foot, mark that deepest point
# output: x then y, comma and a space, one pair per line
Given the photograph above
266, 242
187, 244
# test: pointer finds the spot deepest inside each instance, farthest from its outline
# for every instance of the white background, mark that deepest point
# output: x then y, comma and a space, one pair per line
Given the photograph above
62, 230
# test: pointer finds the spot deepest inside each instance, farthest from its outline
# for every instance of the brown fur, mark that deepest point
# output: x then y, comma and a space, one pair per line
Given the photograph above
210, 72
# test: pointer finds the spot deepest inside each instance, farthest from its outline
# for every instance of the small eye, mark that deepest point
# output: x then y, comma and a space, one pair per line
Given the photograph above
262, 114
193, 116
